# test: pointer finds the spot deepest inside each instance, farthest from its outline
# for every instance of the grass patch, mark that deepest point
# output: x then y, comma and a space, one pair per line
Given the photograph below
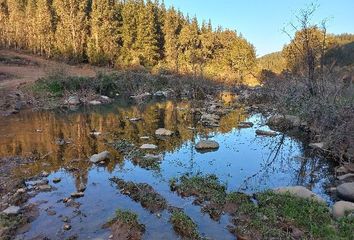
289, 217
9, 224
126, 217
142, 193
184, 225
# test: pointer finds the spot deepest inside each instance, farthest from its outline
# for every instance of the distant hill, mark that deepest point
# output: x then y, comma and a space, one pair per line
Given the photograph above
273, 61
341, 54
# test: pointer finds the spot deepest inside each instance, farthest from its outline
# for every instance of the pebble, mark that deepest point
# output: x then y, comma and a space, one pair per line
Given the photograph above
67, 227
77, 195
56, 180
12, 210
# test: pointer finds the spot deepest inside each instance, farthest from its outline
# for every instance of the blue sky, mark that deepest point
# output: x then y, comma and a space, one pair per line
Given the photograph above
262, 21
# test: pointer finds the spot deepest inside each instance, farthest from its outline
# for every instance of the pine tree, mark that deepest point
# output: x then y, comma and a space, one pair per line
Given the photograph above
4, 19
105, 39
31, 25
16, 23
130, 12
172, 29
72, 28
45, 28
189, 45
146, 45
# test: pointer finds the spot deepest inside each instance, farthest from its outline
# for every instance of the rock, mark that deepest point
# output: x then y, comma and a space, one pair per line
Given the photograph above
349, 167
301, 192
39, 182
164, 94
148, 147
284, 122
21, 191
345, 191
73, 100
105, 98
163, 132
153, 157
342, 208
266, 133
207, 145
346, 177
245, 125
56, 180
67, 227
136, 119
94, 133
77, 195
45, 188
320, 145
12, 210
51, 212
341, 170
45, 174
103, 156
145, 138
141, 96
95, 102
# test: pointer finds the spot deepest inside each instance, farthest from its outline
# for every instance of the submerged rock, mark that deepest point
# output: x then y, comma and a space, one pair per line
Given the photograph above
77, 195
103, 156
346, 177
245, 125
148, 147
12, 210
163, 132
266, 133
301, 192
207, 145
342, 208
345, 191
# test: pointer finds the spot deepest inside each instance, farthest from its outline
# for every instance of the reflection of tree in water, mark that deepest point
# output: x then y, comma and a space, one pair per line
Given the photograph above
40, 132
308, 171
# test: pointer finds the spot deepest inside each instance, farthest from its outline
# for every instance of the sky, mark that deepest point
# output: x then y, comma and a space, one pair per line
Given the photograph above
261, 21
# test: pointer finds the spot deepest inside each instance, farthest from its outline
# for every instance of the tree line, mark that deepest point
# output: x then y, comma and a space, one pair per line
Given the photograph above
124, 33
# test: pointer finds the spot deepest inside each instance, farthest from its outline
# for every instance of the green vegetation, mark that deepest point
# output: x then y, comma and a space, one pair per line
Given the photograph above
205, 188
126, 217
288, 217
9, 224
184, 225
142, 193
125, 34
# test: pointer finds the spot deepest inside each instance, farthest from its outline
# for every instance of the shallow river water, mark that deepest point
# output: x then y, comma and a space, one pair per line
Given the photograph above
244, 162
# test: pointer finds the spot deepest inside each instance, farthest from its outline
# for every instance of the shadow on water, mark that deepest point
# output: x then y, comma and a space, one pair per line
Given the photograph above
63, 143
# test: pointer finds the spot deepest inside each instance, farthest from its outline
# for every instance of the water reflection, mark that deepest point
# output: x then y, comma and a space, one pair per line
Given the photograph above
63, 142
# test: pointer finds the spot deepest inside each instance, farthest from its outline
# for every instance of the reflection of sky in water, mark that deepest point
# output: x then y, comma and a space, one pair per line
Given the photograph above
244, 162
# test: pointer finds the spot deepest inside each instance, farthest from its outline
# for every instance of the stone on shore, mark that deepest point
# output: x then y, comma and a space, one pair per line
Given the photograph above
301, 192
103, 156
148, 147
266, 133
12, 210
342, 208
345, 191
163, 132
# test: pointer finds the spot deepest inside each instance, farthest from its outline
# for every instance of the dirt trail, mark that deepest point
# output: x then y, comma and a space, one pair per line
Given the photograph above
18, 68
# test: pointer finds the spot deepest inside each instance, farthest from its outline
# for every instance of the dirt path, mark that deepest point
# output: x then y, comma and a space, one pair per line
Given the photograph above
18, 68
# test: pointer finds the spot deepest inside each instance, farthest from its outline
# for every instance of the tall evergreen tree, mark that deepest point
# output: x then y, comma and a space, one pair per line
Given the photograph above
147, 38
72, 28
189, 45
45, 27
16, 23
172, 29
31, 25
130, 13
4, 23
105, 39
